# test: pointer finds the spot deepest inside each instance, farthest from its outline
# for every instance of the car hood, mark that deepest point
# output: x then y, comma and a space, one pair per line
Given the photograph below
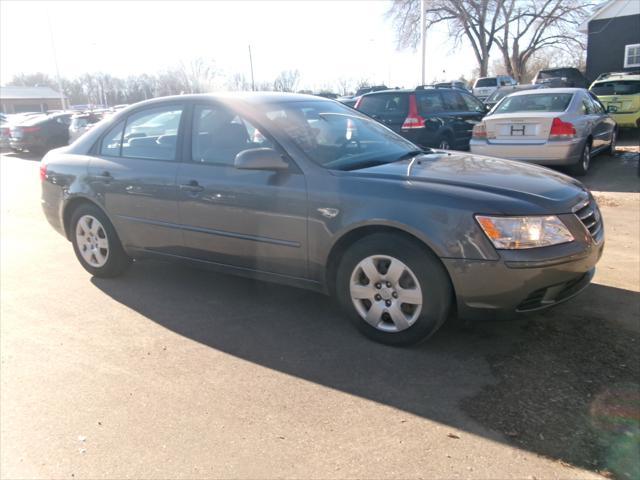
497, 178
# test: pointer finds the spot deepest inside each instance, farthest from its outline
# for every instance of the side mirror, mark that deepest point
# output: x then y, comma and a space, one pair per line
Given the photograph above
260, 159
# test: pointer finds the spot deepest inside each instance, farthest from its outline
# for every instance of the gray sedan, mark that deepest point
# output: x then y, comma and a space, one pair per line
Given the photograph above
307, 192
559, 126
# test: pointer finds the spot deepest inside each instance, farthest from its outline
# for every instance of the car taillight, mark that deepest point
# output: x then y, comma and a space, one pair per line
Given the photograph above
479, 131
43, 171
560, 129
413, 120
30, 129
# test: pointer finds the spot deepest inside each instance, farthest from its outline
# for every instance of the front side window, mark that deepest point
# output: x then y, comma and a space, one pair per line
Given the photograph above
218, 135
152, 134
535, 102
112, 141
632, 56
473, 104
334, 136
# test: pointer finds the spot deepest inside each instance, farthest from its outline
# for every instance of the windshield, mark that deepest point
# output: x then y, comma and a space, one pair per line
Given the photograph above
487, 82
335, 136
617, 87
535, 102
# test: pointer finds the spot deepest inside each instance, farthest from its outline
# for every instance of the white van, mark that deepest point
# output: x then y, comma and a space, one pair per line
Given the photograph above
485, 86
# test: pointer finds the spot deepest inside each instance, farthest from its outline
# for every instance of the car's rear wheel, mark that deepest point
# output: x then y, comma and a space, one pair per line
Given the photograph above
393, 289
444, 143
614, 140
96, 243
582, 167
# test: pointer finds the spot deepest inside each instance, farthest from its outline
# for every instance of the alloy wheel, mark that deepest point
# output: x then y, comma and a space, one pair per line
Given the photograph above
386, 293
92, 241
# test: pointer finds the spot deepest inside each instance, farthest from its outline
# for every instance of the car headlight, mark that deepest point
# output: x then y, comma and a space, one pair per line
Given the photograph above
514, 233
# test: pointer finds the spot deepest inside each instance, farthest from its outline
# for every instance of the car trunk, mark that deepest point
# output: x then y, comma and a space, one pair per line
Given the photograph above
529, 128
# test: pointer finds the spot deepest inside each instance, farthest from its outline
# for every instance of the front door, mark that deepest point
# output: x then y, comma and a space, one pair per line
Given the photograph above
134, 174
253, 219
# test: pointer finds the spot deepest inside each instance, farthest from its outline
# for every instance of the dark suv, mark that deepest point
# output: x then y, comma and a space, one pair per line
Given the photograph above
40, 133
428, 116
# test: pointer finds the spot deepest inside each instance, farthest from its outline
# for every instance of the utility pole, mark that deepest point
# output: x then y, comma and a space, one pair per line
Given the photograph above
423, 37
253, 85
55, 61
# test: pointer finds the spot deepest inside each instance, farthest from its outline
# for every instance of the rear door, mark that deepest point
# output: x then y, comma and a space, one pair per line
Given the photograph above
457, 118
431, 107
603, 124
134, 172
389, 108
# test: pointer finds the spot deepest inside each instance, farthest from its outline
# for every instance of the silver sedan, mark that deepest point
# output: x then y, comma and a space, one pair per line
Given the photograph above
552, 126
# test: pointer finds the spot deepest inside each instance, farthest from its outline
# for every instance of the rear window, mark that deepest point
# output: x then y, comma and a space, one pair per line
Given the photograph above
535, 102
618, 87
487, 82
384, 104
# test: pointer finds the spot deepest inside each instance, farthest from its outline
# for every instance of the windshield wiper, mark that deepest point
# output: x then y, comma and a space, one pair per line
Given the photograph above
411, 154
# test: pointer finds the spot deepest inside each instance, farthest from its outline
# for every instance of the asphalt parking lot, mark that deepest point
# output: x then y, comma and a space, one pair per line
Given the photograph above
173, 372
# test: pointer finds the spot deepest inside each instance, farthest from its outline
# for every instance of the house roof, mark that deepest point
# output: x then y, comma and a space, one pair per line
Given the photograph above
612, 9
28, 93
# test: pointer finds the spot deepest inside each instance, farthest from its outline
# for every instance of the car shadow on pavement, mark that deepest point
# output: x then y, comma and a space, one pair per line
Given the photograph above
561, 384
22, 156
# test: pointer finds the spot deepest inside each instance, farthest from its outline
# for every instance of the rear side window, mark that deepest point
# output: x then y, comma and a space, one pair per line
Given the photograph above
384, 104
112, 141
487, 82
453, 101
538, 102
619, 87
429, 102
152, 134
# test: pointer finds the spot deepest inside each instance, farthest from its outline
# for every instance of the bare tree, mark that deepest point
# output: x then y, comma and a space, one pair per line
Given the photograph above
532, 26
238, 82
197, 75
476, 21
286, 81
345, 86
37, 79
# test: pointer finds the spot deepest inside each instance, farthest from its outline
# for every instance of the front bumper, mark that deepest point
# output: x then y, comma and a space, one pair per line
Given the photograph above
524, 281
557, 152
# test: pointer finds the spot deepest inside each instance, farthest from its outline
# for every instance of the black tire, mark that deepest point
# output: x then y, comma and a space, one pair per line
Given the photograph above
582, 167
444, 142
613, 143
434, 281
117, 260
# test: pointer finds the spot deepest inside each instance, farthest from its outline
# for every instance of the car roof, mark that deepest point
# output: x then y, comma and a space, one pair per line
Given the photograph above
618, 76
538, 91
244, 97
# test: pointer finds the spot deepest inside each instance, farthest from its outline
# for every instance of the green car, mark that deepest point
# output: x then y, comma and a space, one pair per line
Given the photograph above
620, 94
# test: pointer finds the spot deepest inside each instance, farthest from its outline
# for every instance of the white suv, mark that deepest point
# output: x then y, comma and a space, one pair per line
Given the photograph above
485, 86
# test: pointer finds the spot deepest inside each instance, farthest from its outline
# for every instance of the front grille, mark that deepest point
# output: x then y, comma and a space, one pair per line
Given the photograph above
590, 216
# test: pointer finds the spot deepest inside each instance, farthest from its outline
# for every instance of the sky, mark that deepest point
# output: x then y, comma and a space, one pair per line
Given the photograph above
323, 40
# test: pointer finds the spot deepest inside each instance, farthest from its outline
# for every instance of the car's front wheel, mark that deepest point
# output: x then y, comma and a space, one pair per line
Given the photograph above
394, 290
96, 243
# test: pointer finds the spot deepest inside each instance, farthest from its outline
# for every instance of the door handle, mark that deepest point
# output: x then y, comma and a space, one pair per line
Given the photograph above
104, 176
192, 187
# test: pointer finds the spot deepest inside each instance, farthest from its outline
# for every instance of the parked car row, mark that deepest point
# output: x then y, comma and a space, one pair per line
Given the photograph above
39, 132
532, 123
